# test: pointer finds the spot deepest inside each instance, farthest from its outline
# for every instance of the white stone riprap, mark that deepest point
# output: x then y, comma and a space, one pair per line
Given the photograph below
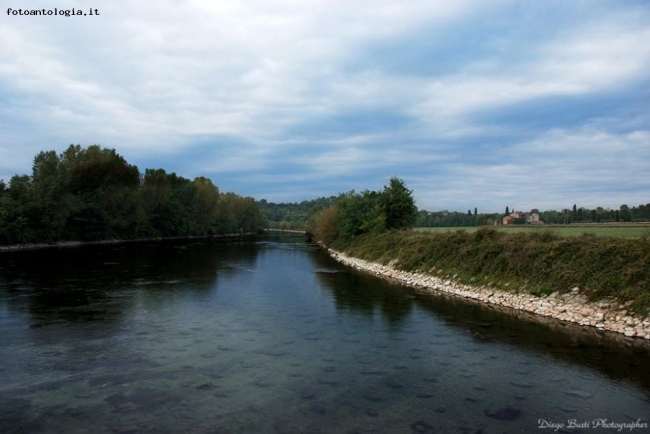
571, 307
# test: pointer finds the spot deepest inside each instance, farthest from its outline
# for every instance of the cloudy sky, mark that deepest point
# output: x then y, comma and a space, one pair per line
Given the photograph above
473, 103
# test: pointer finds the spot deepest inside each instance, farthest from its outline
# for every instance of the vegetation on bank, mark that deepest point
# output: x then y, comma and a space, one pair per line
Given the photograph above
297, 215
370, 212
602, 230
539, 263
93, 193
292, 216
577, 215
371, 225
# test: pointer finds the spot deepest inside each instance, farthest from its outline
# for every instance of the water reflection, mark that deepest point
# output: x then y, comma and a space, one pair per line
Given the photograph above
273, 336
619, 358
356, 293
93, 283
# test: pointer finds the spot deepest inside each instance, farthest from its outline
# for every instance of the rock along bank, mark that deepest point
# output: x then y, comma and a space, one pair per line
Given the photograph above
571, 307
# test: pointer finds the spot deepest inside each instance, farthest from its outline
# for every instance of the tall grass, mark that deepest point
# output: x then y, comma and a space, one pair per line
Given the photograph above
535, 262
605, 230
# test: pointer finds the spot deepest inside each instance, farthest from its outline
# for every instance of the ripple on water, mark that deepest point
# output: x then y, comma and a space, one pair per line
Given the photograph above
506, 414
421, 426
393, 384
307, 367
271, 351
578, 394
13, 413
522, 385
146, 400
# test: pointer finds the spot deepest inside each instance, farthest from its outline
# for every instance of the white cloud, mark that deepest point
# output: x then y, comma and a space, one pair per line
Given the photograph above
166, 70
155, 78
600, 58
556, 169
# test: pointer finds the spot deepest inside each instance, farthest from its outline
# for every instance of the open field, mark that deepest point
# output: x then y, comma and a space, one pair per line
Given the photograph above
620, 231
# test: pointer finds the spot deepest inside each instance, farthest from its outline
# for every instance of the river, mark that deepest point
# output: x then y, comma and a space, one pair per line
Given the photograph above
270, 335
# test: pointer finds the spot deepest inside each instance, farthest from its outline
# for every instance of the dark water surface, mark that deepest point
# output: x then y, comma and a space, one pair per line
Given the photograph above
269, 335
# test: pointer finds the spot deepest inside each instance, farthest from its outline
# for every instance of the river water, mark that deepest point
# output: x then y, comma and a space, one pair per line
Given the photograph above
270, 335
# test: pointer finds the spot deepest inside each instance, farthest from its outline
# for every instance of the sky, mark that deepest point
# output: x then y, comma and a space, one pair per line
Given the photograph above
472, 103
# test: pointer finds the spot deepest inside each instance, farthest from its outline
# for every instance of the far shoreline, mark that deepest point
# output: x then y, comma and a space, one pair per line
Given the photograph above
67, 244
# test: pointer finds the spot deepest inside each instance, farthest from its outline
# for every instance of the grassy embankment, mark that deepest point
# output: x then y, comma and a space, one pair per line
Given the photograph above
608, 230
537, 262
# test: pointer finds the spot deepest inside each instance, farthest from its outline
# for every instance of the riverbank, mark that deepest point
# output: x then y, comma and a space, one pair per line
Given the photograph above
289, 231
571, 307
64, 244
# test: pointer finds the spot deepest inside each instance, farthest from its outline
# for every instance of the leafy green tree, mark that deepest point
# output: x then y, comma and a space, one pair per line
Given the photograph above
226, 221
359, 213
294, 215
171, 214
248, 216
50, 202
104, 187
574, 213
398, 204
14, 225
369, 212
206, 205
93, 193
326, 229
625, 213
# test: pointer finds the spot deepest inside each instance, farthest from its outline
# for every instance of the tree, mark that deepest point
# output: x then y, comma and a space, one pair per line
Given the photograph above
398, 205
93, 193
574, 214
206, 204
625, 213
103, 187
369, 212
14, 225
295, 215
326, 229
507, 211
359, 213
48, 196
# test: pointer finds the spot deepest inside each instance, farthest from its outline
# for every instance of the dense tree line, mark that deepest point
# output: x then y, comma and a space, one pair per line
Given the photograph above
445, 218
94, 194
581, 215
297, 215
624, 214
292, 216
354, 214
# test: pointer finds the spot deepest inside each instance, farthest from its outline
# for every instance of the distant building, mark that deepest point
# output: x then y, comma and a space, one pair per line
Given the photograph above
531, 218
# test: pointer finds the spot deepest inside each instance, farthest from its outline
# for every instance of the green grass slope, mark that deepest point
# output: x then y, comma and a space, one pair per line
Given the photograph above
538, 262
